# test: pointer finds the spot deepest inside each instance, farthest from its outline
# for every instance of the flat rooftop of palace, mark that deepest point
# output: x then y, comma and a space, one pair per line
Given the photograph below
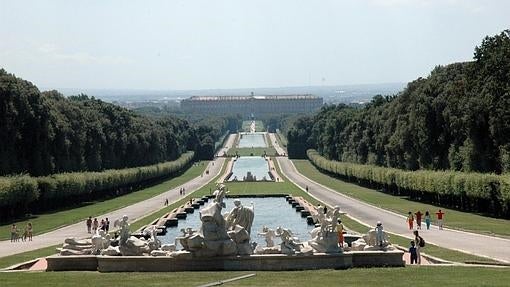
261, 97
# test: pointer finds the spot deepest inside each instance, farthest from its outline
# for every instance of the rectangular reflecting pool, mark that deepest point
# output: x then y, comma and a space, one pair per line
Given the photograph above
269, 211
257, 165
249, 140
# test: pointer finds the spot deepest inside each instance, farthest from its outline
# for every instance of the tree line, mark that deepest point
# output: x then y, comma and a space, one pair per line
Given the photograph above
458, 118
44, 133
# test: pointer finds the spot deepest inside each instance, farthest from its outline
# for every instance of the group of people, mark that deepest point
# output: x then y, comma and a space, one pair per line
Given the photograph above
94, 225
182, 191
27, 233
419, 216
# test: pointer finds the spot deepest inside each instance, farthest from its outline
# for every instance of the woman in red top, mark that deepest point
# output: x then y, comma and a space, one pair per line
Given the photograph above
418, 219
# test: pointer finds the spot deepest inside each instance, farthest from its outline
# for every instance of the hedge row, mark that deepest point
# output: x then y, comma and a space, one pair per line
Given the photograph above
22, 194
473, 192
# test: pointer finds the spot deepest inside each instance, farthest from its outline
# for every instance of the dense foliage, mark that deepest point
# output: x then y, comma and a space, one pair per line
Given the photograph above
458, 118
208, 131
22, 194
46, 133
475, 192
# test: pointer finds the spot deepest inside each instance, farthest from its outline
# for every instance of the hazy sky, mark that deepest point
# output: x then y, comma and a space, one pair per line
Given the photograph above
238, 44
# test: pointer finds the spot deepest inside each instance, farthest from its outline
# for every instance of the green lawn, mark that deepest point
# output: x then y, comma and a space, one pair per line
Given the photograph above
411, 276
259, 126
453, 218
49, 221
255, 151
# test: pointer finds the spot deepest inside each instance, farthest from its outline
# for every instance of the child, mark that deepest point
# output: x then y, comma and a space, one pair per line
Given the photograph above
410, 220
412, 251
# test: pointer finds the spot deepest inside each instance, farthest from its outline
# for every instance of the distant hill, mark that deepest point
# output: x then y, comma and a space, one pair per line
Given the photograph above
331, 94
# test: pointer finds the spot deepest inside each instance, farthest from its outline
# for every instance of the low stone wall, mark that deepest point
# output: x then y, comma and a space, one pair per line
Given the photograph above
377, 258
72, 263
273, 262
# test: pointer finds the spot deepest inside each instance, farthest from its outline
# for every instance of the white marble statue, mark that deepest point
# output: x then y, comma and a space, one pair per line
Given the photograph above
100, 240
290, 244
325, 237
240, 215
269, 236
123, 225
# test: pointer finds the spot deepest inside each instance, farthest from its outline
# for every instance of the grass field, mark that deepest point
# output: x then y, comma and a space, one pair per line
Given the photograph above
453, 218
49, 221
254, 151
259, 126
410, 276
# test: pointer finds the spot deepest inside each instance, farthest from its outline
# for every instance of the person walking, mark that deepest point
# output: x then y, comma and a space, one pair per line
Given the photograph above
14, 232
418, 240
439, 215
89, 224
106, 225
30, 231
410, 220
418, 219
427, 219
95, 225
412, 252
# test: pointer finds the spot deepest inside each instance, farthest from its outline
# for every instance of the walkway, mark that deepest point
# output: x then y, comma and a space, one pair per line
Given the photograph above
134, 212
482, 245
275, 144
227, 145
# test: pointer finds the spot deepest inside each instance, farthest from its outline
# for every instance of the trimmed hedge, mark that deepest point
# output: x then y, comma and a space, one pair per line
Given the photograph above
473, 192
19, 194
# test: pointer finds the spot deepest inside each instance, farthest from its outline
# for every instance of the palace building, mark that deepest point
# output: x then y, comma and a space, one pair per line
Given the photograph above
252, 105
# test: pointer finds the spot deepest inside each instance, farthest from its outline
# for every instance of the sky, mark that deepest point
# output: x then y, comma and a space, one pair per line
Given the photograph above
180, 45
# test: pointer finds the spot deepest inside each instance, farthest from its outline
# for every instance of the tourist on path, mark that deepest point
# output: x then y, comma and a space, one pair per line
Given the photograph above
418, 219
30, 230
24, 235
412, 252
14, 233
427, 219
89, 224
410, 220
106, 225
419, 244
95, 225
439, 215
